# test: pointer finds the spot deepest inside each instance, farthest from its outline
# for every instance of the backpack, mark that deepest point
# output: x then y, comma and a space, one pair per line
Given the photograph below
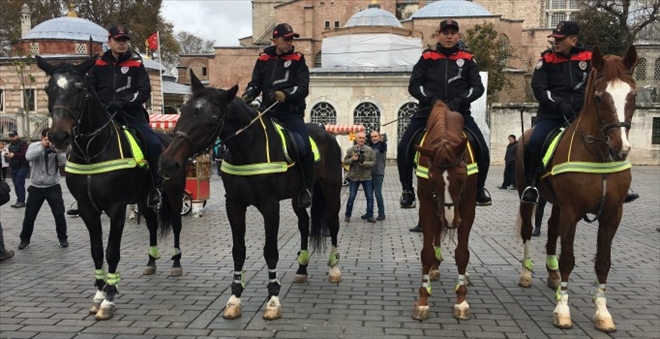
4, 192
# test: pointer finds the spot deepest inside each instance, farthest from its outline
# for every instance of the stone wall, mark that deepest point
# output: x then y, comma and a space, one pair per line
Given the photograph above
505, 120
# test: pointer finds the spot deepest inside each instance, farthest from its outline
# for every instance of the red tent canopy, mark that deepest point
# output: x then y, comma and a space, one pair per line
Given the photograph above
163, 121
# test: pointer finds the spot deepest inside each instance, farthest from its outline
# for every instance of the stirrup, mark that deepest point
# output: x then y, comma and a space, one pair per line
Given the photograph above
305, 198
154, 195
530, 190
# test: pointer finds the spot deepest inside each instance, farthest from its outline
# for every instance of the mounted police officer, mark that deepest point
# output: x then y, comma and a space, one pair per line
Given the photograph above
122, 83
449, 74
282, 76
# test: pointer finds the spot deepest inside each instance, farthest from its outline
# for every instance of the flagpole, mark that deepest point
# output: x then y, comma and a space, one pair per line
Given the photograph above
160, 60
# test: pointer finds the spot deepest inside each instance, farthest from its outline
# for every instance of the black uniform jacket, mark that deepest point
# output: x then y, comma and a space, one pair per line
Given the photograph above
559, 78
124, 80
287, 73
445, 77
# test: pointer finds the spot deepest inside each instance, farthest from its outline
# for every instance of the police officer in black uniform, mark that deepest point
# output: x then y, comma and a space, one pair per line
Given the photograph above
451, 75
282, 76
123, 85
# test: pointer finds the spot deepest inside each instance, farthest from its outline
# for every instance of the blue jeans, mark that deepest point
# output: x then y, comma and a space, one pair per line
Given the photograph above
367, 185
377, 180
18, 176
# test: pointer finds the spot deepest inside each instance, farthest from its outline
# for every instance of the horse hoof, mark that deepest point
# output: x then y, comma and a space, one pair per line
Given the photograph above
462, 311
605, 324
434, 275
176, 271
232, 311
562, 321
95, 307
525, 279
149, 270
273, 312
553, 283
300, 278
105, 313
421, 313
334, 278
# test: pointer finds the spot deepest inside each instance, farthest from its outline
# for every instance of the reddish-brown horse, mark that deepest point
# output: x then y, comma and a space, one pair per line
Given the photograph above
447, 198
588, 173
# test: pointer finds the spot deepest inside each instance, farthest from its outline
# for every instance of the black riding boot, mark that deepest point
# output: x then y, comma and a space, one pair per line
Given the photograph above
307, 167
531, 195
154, 198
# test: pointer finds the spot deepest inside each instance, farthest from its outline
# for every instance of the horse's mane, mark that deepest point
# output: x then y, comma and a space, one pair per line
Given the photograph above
443, 141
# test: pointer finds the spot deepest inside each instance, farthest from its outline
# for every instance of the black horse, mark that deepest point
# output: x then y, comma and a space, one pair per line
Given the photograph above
256, 172
103, 177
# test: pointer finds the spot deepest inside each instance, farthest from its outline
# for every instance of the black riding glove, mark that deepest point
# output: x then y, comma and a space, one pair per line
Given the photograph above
566, 110
455, 104
116, 106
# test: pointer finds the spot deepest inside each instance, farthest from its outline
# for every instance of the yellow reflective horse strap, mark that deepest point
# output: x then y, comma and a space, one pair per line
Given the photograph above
313, 145
115, 164
138, 155
553, 147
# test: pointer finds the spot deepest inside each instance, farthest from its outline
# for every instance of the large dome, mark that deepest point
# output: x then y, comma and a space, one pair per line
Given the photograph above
373, 16
451, 9
67, 28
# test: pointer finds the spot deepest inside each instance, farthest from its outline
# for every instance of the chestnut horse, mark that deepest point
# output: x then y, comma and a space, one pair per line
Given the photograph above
588, 173
447, 189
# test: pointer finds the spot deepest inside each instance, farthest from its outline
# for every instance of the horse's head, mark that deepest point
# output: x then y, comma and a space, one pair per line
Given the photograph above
199, 125
67, 91
613, 89
443, 156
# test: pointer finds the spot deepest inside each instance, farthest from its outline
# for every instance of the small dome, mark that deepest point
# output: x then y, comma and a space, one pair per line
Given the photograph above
67, 28
451, 9
373, 16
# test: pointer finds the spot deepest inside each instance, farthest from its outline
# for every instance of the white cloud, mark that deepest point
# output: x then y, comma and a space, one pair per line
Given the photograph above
224, 21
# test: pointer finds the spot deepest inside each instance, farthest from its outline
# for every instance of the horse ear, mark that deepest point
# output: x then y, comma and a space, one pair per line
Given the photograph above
85, 66
597, 59
630, 59
231, 93
44, 65
195, 84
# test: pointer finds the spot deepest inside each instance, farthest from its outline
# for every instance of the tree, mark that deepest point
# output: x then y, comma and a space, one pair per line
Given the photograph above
492, 52
191, 44
141, 17
613, 25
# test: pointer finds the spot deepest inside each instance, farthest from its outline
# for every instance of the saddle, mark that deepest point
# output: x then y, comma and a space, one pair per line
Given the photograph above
418, 136
292, 143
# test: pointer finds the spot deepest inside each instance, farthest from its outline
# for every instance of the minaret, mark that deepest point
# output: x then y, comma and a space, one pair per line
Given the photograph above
26, 20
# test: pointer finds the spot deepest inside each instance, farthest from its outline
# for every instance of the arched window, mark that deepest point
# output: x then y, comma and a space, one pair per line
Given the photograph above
367, 114
640, 71
656, 70
404, 118
323, 113
504, 46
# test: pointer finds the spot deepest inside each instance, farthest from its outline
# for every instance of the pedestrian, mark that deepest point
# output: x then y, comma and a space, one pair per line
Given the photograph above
361, 158
45, 186
449, 74
379, 145
510, 164
5, 164
122, 84
281, 76
20, 167
538, 217
5, 196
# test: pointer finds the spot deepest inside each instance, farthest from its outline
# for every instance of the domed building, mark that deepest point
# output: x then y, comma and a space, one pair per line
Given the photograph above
23, 103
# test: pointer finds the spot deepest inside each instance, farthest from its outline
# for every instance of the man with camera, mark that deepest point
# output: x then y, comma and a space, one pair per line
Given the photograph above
45, 161
360, 158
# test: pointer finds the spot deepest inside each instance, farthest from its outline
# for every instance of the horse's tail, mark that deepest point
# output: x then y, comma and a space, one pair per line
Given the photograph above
319, 218
165, 214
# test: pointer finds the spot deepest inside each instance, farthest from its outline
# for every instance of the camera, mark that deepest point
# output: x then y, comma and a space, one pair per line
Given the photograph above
361, 156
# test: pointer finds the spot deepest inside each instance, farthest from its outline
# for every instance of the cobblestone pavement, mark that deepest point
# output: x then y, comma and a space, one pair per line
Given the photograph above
45, 291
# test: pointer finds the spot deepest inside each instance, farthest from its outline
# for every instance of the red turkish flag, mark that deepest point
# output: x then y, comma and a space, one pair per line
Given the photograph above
152, 41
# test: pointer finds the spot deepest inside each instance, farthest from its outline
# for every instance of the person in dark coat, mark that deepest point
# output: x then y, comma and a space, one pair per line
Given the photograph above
510, 163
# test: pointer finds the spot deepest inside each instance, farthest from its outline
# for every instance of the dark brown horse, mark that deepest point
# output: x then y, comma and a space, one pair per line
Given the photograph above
255, 172
597, 140
447, 198
103, 176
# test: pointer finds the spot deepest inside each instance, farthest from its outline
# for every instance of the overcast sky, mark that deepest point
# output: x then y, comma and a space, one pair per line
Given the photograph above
224, 21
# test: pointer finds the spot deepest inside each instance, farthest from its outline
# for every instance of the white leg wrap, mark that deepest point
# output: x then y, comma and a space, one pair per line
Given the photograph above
99, 296
106, 304
274, 302
562, 306
234, 301
601, 308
